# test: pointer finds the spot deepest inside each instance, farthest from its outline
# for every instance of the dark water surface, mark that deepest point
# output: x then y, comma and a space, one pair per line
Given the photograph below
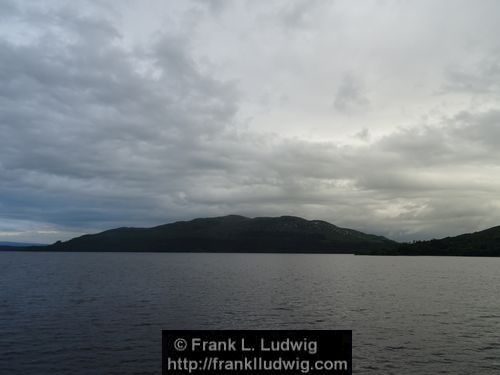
102, 313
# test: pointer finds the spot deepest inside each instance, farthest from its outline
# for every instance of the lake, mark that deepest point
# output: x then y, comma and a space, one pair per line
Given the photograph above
102, 313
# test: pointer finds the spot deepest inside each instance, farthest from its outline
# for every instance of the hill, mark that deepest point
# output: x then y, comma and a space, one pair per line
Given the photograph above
482, 243
19, 244
285, 234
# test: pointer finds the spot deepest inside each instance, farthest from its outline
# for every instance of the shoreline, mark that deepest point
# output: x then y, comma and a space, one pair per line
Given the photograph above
38, 250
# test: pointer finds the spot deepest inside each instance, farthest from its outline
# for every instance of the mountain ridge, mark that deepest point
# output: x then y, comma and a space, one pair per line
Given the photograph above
20, 244
284, 234
231, 233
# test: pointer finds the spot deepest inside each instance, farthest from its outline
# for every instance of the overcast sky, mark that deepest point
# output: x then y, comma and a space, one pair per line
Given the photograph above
382, 116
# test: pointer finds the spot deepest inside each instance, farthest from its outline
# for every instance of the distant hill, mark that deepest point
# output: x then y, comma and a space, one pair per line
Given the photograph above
285, 234
20, 244
483, 243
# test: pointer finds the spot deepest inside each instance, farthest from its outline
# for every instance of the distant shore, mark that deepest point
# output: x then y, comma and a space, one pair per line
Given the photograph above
274, 235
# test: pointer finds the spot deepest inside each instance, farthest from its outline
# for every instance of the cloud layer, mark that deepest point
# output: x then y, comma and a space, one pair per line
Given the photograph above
383, 117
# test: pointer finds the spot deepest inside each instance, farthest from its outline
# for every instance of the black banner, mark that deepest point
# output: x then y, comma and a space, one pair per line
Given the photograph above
231, 352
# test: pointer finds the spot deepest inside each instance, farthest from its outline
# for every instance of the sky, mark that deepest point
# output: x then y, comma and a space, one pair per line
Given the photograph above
377, 115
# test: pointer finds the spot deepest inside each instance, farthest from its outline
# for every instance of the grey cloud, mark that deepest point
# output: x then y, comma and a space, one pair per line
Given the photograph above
350, 96
214, 6
481, 76
96, 134
81, 128
363, 134
7, 9
299, 13
482, 130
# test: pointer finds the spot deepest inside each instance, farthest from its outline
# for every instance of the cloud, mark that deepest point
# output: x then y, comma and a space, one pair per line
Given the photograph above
477, 77
97, 131
299, 14
350, 96
80, 125
214, 6
363, 134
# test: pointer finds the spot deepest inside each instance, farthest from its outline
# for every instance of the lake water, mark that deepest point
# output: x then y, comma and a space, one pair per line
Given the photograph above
102, 313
